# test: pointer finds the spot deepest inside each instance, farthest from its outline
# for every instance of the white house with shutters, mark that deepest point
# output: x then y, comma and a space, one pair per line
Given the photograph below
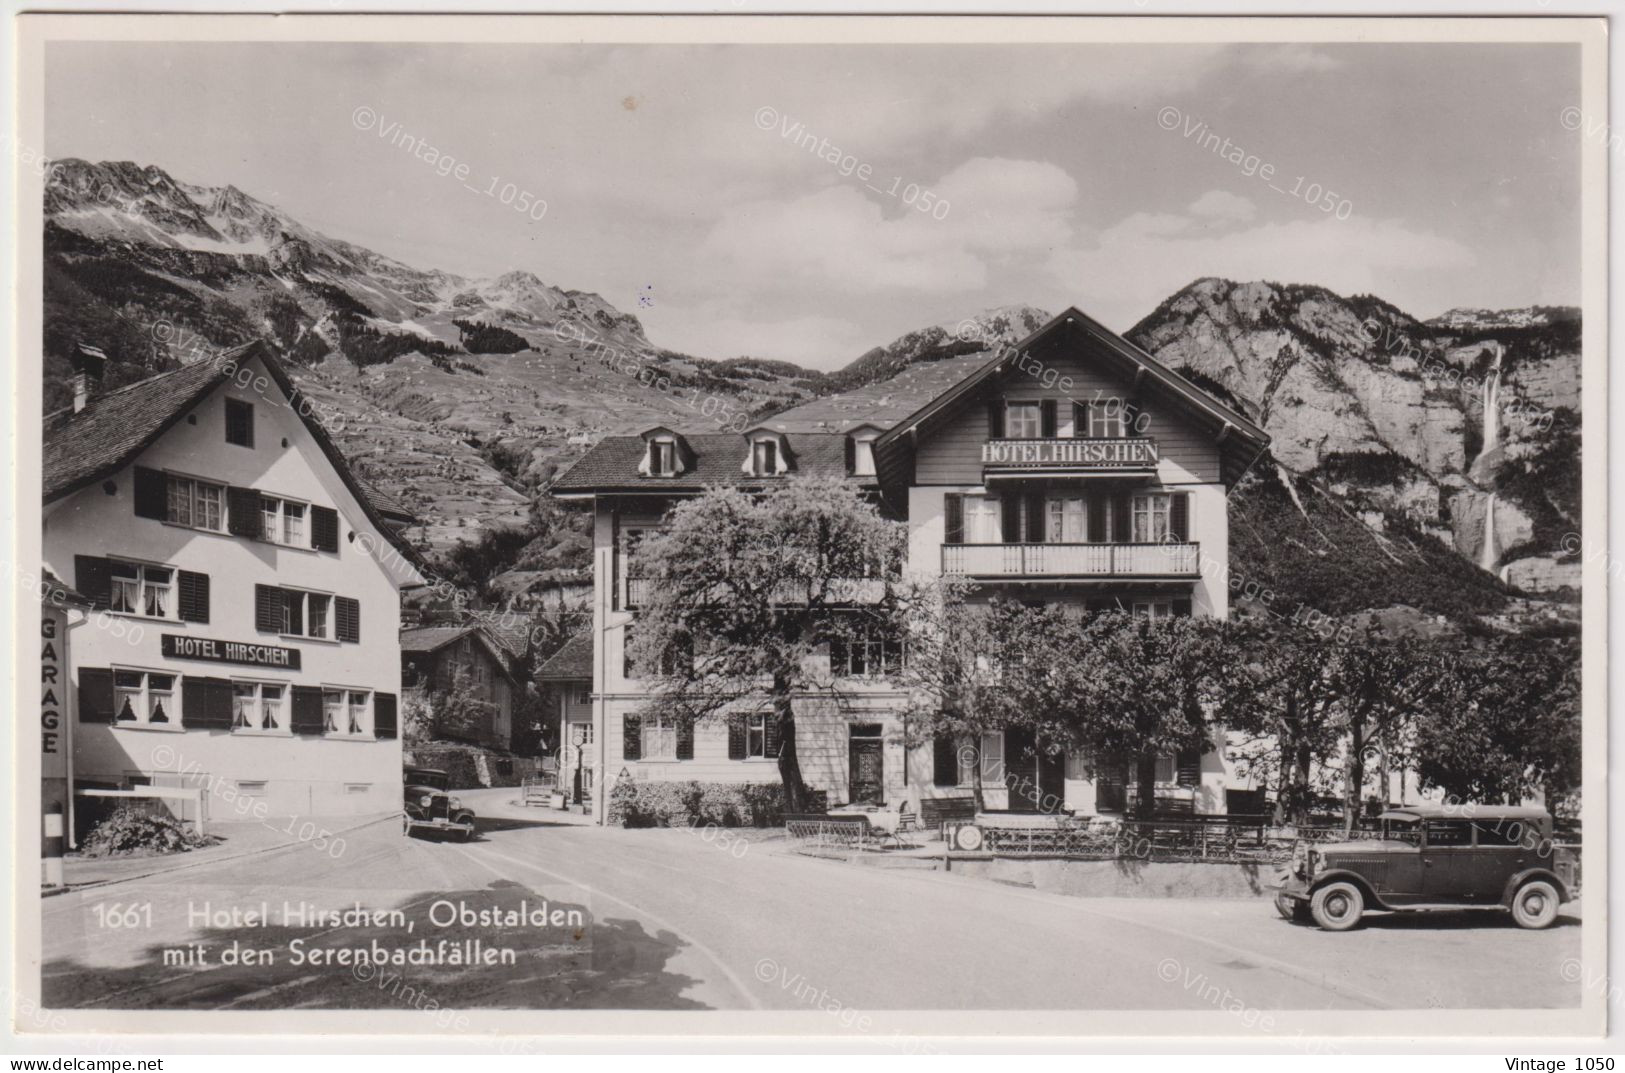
1073, 468
245, 586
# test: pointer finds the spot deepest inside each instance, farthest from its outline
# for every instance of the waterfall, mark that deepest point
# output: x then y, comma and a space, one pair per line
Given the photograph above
1486, 554
1492, 403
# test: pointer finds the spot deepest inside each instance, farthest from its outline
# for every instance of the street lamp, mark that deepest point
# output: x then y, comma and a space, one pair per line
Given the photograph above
578, 738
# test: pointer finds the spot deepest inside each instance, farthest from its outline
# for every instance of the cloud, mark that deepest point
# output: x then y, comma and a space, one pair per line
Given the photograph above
1223, 205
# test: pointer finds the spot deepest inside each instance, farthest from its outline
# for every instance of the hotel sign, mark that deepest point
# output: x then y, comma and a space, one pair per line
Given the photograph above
176, 646
1103, 453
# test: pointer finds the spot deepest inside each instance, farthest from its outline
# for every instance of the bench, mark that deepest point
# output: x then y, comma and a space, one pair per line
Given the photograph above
536, 789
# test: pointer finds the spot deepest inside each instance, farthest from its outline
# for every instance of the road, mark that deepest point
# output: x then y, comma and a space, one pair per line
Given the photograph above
665, 919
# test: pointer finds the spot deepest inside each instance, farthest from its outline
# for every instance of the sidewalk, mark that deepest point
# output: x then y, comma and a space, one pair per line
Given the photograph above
238, 838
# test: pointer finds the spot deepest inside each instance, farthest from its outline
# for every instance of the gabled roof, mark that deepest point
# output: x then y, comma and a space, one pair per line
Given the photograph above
1242, 440
612, 464
53, 590
430, 639
114, 428
571, 662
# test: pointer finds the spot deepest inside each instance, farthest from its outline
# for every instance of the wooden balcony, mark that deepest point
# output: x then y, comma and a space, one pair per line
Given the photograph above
1072, 560
1080, 455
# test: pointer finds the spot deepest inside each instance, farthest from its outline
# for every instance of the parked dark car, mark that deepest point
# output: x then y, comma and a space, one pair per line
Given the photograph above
1435, 857
430, 807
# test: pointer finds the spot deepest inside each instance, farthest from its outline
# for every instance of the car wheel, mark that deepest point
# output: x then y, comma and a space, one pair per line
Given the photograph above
1292, 909
1535, 905
1337, 906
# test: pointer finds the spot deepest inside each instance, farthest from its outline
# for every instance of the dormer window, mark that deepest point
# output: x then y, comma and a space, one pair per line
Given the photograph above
662, 459
860, 451
765, 458
767, 454
665, 454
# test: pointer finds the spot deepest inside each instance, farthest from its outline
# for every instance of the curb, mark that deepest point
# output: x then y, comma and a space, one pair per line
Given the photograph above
51, 892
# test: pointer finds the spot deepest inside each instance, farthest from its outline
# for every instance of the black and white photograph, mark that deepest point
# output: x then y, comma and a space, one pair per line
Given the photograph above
881, 531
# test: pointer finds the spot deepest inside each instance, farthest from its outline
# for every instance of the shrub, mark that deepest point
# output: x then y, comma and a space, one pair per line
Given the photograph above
680, 804
133, 831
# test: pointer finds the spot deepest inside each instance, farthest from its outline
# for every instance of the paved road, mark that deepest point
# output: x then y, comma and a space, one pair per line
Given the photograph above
668, 920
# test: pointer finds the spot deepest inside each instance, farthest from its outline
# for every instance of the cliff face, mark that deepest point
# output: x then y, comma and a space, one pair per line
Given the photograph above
1467, 427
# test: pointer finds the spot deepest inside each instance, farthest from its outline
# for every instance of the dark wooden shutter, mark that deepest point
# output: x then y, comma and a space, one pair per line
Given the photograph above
95, 695
268, 609
1122, 519
1181, 606
736, 737
151, 494
206, 703
685, 739
839, 655
1179, 517
995, 419
1080, 420
384, 719
243, 513
631, 737
92, 576
1010, 518
851, 455
307, 710
770, 739
324, 528
1097, 518
614, 561
194, 596
953, 511
1046, 418
1189, 764
1035, 517
347, 618
944, 761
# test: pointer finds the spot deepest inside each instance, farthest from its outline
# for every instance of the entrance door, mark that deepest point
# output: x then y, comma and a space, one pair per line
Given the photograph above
1021, 770
868, 765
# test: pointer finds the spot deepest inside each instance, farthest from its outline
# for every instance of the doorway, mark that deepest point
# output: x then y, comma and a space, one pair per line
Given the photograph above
867, 765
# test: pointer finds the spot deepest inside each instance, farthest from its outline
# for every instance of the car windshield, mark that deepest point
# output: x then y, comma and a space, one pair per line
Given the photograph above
1407, 831
426, 778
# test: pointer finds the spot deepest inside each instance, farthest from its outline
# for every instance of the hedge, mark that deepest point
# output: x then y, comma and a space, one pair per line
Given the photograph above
634, 803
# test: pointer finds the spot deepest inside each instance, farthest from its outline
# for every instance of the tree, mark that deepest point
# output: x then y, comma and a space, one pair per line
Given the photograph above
1381, 683
460, 713
745, 590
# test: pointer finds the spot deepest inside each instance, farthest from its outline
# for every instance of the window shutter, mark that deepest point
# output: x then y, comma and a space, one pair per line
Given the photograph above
307, 710
851, 455
206, 703
626, 651
1080, 420
995, 419
1181, 606
631, 738
1097, 518
243, 513
1190, 767
1046, 418
944, 761
267, 609
736, 737
839, 657
92, 577
151, 494
324, 529
685, 738
95, 695
953, 512
614, 561
1179, 517
1035, 518
194, 597
1122, 519
1010, 518
347, 618
770, 742
383, 716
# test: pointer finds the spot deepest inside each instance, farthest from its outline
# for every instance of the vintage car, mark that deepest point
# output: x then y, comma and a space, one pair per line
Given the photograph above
430, 808
1434, 857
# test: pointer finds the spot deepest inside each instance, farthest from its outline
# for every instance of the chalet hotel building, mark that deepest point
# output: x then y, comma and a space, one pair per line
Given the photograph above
1073, 469
209, 514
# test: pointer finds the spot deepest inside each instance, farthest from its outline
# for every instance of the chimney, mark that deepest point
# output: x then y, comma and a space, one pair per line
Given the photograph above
88, 364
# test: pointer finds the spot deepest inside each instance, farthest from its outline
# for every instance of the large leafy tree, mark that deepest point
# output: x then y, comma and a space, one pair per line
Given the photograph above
747, 591
1383, 683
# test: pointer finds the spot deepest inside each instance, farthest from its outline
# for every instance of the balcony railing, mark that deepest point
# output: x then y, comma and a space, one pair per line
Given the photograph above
1093, 453
1072, 560
841, 591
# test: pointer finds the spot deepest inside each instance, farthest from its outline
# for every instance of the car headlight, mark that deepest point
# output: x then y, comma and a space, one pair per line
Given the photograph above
455, 802
426, 800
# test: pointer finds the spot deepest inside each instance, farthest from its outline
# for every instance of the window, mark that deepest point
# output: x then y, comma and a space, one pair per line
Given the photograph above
583, 695
135, 589
355, 712
144, 698
198, 504
756, 736
240, 423
1153, 609
866, 652
1068, 520
306, 614
259, 706
662, 458
1449, 833
983, 522
993, 758
1022, 421
283, 522
1501, 833
660, 738
1106, 418
580, 734
764, 458
1150, 516
1167, 770
332, 710
863, 458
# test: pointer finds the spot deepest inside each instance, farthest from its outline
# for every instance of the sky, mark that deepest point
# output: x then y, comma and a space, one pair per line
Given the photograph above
769, 200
